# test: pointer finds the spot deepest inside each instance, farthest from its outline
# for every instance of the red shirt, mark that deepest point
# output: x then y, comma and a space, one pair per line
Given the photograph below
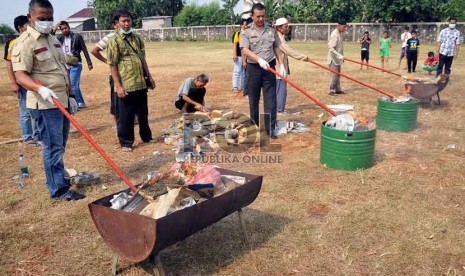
431, 61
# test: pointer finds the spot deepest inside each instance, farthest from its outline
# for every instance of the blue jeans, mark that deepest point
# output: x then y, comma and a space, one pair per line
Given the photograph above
28, 126
281, 95
75, 77
238, 75
54, 131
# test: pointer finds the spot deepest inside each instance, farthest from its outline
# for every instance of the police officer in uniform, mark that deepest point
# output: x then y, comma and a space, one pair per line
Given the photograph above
260, 43
39, 65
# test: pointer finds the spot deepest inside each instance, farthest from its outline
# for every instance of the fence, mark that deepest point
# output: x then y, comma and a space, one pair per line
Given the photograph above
427, 32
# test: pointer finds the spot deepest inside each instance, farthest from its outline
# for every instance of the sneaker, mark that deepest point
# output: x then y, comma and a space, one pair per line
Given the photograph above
126, 149
234, 90
332, 94
340, 92
71, 195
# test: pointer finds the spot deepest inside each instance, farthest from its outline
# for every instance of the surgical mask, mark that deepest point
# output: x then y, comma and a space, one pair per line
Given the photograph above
121, 31
43, 27
452, 26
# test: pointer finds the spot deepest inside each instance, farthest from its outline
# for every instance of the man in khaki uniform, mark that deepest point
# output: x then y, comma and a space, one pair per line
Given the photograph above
260, 44
282, 26
336, 57
39, 65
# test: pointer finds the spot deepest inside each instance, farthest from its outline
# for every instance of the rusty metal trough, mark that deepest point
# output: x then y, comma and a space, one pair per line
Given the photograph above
134, 237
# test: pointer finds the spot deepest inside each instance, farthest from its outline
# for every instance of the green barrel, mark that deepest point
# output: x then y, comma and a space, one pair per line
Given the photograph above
347, 151
397, 117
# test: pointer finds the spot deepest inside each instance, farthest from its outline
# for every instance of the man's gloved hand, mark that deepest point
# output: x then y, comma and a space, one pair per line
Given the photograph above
263, 63
282, 70
73, 106
47, 94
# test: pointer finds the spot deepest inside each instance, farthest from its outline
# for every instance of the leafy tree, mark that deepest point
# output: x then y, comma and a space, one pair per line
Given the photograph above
6, 30
228, 6
204, 15
138, 8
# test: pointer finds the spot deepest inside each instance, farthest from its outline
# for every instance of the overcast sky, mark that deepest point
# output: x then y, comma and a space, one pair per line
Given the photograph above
62, 8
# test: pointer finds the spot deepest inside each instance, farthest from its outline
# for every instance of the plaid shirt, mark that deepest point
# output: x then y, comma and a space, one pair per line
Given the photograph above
448, 38
128, 61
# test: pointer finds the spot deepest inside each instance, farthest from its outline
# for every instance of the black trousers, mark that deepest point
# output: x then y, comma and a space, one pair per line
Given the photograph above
134, 104
412, 61
444, 61
256, 79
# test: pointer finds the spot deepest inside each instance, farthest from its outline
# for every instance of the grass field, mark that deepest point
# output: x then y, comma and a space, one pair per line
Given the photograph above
403, 216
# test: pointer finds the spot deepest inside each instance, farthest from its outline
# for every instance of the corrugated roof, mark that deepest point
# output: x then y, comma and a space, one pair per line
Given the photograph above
86, 12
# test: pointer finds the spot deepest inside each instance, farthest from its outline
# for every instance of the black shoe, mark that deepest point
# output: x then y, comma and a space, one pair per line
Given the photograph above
274, 137
340, 92
71, 195
332, 94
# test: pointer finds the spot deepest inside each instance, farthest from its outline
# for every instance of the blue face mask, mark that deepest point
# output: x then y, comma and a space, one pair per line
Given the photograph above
121, 31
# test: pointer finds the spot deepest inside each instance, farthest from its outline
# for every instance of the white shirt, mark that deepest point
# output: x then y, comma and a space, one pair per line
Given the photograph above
404, 37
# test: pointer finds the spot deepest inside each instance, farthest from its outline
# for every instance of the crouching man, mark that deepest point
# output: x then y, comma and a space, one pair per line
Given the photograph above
191, 94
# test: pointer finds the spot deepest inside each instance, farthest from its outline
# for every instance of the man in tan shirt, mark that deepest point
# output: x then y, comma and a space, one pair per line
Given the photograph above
39, 66
336, 57
282, 26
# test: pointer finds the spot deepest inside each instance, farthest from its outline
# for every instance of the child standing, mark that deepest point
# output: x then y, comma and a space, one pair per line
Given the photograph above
411, 51
431, 63
365, 42
385, 45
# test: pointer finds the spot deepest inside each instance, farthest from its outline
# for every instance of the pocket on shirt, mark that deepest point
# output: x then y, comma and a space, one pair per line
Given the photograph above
15, 55
46, 62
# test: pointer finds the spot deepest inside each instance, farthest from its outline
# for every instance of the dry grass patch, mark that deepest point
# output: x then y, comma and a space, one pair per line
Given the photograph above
404, 216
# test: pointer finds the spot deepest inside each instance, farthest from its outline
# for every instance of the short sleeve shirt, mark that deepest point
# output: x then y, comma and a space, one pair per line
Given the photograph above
186, 85
42, 58
8, 49
448, 38
102, 44
261, 42
126, 52
404, 37
412, 45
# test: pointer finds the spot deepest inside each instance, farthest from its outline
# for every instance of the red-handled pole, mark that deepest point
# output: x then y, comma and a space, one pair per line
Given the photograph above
320, 104
92, 142
350, 78
372, 66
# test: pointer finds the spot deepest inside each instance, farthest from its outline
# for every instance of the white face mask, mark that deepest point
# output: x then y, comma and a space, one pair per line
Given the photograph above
43, 27
121, 31
452, 26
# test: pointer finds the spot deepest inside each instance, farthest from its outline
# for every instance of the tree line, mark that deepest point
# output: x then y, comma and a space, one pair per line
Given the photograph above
298, 11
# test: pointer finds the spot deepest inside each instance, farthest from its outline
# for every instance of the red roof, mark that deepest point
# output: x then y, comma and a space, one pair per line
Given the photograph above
86, 12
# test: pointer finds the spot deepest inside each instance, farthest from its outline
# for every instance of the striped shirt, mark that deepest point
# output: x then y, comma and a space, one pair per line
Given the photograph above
128, 61
448, 38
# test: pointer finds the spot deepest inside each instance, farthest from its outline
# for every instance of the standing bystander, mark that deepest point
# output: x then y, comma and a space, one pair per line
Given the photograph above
384, 49
126, 57
336, 57
448, 47
238, 79
282, 26
403, 39
365, 42
73, 44
100, 46
39, 66
411, 51
260, 43
28, 126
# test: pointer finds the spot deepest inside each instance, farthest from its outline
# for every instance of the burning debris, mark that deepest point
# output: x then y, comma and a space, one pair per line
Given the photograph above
351, 121
185, 184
